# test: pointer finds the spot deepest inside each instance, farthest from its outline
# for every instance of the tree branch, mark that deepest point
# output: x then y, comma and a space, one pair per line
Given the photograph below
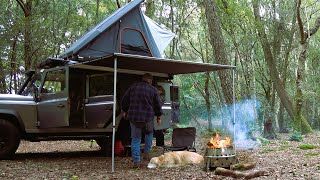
315, 28
302, 38
22, 5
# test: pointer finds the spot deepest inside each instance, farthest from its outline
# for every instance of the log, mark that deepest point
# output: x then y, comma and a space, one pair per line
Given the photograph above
242, 166
237, 174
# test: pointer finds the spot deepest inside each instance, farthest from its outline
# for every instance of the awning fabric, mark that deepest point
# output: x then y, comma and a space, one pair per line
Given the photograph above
157, 65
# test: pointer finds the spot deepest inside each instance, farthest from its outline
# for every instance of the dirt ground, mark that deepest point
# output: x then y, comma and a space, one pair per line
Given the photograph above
282, 159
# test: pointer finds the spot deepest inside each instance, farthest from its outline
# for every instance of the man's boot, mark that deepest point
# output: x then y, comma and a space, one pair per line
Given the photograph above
136, 165
146, 157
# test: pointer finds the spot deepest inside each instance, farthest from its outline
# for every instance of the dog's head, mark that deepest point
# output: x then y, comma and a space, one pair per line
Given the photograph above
155, 162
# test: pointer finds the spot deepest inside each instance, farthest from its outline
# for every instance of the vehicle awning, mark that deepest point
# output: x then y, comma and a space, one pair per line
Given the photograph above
152, 64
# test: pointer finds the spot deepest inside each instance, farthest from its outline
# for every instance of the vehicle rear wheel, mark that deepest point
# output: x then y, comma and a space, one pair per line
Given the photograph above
9, 139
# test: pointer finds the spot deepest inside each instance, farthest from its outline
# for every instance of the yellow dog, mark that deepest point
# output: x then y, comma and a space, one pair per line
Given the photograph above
175, 158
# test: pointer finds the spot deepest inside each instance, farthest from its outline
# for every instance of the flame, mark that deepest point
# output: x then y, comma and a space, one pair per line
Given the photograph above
217, 143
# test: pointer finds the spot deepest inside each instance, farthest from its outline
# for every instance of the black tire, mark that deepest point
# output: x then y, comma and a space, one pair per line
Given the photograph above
9, 139
105, 146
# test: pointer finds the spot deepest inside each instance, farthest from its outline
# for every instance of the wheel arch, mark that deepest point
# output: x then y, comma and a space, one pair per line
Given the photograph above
13, 117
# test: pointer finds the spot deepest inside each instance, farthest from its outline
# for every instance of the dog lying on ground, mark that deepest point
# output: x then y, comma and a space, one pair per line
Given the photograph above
175, 158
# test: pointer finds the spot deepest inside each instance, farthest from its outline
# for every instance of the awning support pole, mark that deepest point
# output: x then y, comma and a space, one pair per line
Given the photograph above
234, 109
114, 109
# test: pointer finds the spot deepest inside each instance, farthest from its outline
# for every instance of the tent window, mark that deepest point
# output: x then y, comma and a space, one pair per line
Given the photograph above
133, 42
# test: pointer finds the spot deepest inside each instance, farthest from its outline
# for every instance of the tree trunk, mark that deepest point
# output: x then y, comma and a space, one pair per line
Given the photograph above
283, 124
207, 100
27, 7
217, 42
3, 86
97, 11
13, 72
300, 123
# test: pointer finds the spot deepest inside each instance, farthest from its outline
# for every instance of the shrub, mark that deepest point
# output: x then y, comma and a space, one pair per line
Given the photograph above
296, 136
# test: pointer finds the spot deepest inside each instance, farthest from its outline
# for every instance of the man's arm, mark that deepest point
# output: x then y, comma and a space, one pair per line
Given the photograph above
157, 105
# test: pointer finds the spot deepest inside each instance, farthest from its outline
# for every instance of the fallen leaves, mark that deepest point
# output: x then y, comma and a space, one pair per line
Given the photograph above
77, 160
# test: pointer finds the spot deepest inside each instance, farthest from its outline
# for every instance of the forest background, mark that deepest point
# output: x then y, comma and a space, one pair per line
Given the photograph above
274, 45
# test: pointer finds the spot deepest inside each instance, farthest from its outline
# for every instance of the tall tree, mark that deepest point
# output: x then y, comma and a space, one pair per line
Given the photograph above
26, 6
300, 121
218, 45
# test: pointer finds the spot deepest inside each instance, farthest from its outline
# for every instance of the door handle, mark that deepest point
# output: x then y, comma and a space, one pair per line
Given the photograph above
60, 106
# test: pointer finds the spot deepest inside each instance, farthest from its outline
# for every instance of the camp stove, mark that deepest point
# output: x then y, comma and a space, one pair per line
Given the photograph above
219, 153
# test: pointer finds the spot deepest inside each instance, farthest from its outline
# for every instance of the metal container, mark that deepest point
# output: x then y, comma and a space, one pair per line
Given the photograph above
220, 157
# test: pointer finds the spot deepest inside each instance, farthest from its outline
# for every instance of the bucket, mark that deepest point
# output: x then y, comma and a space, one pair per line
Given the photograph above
118, 148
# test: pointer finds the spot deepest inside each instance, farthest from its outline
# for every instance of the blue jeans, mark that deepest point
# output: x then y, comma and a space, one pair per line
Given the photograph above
136, 134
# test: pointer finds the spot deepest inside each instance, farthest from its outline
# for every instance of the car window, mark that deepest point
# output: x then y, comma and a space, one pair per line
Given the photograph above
101, 84
54, 82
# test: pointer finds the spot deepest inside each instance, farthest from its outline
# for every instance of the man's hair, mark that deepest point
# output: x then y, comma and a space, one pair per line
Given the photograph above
147, 77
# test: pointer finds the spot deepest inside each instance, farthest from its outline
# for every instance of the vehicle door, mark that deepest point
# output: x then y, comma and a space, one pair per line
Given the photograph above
53, 107
98, 107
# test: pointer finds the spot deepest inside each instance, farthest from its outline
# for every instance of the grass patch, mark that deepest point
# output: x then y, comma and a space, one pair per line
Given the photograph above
264, 141
312, 154
307, 146
283, 148
284, 142
267, 151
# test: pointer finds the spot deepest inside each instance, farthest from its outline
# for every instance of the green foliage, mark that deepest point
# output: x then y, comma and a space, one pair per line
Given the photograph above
312, 154
284, 142
264, 141
266, 151
296, 136
307, 146
283, 147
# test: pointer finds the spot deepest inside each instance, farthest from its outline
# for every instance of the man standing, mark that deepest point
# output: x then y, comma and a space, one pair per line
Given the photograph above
140, 104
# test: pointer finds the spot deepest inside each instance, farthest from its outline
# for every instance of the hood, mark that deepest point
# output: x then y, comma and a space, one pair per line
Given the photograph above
15, 97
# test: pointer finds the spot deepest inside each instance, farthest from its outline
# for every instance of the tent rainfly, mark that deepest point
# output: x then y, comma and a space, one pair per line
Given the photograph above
127, 31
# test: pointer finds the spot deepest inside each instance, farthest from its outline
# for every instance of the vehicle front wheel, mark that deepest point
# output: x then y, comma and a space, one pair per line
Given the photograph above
9, 139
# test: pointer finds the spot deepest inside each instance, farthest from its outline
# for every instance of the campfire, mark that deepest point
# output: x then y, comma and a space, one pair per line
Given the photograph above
220, 152
216, 142
220, 156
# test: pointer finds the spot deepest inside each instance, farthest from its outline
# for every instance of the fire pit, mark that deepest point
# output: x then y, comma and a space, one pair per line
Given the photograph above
219, 153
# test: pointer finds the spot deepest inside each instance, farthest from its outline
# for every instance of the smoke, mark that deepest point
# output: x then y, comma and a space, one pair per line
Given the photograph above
243, 127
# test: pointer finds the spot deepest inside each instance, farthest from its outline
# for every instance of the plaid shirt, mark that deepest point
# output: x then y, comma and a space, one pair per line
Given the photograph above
141, 102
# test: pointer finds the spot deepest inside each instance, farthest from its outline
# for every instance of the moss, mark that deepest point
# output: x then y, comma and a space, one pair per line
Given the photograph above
284, 142
283, 147
307, 146
266, 151
312, 154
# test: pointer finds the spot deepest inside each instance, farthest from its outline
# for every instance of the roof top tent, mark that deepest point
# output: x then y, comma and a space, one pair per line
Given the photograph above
128, 40
127, 30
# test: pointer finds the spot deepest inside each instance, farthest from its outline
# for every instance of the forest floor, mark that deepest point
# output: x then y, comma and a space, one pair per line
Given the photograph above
280, 158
